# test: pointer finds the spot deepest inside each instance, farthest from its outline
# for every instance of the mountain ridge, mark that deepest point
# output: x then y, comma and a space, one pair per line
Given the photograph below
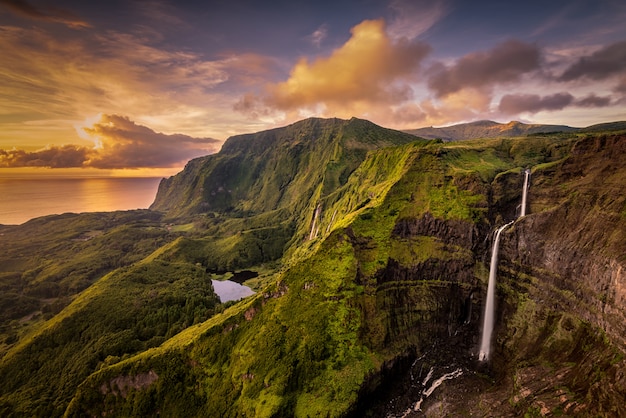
229, 178
487, 129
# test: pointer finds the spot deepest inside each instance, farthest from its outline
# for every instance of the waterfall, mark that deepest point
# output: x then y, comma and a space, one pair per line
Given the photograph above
488, 321
314, 230
525, 191
485, 344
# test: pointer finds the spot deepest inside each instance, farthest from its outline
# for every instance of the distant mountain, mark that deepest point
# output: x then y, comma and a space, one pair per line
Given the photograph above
487, 129
609, 126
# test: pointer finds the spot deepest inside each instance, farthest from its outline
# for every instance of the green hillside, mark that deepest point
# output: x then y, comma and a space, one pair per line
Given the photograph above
372, 253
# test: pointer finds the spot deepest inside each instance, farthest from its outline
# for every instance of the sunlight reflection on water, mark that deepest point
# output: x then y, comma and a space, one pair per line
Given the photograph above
23, 199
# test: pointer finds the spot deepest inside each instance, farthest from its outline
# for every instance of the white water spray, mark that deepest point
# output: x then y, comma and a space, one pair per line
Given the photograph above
426, 393
525, 191
485, 344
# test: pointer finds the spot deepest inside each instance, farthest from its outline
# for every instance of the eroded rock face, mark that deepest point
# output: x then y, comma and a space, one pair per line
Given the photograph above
432, 308
453, 232
563, 270
122, 384
578, 245
561, 329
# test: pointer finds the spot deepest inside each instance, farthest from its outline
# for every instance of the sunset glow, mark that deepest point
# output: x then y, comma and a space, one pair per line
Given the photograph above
150, 85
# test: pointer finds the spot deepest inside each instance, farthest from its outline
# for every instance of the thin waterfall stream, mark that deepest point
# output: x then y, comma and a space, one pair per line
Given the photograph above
525, 191
488, 321
489, 317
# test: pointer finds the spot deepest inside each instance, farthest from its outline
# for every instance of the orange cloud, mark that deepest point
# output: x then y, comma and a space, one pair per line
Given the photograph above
368, 69
50, 83
119, 143
54, 157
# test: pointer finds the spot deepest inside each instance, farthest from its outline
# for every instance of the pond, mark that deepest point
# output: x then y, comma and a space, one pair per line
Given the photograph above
228, 290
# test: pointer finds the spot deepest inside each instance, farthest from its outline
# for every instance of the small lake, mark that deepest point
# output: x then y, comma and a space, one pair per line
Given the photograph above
228, 290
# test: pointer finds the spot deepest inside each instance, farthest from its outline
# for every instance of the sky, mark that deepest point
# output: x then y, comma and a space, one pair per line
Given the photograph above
147, 85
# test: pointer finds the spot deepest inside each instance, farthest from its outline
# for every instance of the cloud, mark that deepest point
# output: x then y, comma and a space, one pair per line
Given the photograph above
121, 143
368, 69
505, 63
411, 18
602, 64
118, 143
621, 85
593, 101
65, 156
47, 76
533, 103
465, 105
320, 34
25, 9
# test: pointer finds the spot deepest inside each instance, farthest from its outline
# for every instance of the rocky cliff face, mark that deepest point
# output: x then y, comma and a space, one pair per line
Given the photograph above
559, 341
580, 240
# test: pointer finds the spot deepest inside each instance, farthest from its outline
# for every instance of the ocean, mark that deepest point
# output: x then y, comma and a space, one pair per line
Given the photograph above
23, 198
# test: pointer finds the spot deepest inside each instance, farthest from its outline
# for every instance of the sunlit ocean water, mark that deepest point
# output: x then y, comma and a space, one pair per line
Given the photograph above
22, 199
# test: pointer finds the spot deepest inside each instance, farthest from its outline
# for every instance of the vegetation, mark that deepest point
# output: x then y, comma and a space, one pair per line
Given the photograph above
370, 247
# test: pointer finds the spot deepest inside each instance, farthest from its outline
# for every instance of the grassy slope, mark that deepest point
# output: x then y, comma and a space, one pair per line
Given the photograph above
306, 345
125, 312
46, 262
257, 198
279, 168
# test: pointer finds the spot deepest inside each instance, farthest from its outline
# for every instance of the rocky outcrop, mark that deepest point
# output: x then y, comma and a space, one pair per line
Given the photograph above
120, 385
452, 232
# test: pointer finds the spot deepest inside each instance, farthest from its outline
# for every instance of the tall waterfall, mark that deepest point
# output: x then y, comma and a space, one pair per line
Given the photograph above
525, 191
485, 344
488, 321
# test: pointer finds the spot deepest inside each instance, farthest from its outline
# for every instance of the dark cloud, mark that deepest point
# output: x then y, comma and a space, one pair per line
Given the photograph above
600, 65
621, 86
65, 156
120, 143
593, 101
533, 103
505, 63
23, 8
